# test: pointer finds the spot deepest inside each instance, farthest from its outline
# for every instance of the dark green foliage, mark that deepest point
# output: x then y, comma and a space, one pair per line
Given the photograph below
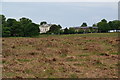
29, 28
71, 30
44, 22
22, 28
32, 30
26, 28
66, 31
84, 25
80, 31
103, 26
94, 25
114, 24
6, 31
10, 22
55, 29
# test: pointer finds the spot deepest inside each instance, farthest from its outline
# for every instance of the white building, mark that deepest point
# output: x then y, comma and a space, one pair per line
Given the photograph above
44, 28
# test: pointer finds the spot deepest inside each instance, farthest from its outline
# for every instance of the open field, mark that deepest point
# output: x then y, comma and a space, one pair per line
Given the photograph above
61, 56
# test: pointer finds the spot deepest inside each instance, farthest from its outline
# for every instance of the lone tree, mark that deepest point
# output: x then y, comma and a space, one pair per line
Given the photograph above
84, 25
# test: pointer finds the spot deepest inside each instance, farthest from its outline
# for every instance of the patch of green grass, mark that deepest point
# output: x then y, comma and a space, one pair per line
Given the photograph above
51, 79
83, 55
70, 59
78, 64
50, 72
28, 71
24, 60
103, 54
5, 62
63, 55
73, 76
99, 64
9, 74
117, 53
61, 69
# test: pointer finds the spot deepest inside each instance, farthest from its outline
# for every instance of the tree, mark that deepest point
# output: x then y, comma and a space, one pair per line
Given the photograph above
94, 25
71, 30
16, 29
3, 20
44, 22
32, 30
55, 29
114, 25
28, 28
84, 25
10, 22
104, 20
24, 24
66, 31
103, 26
5, 30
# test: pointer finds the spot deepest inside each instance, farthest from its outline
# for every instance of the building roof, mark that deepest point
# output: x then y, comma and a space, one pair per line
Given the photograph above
83, 27
46, 25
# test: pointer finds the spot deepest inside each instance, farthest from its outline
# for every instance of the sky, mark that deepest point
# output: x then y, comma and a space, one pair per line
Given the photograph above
60, 0
67, 14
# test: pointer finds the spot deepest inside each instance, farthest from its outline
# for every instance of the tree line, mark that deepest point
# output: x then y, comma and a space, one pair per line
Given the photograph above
24, 27
102, 27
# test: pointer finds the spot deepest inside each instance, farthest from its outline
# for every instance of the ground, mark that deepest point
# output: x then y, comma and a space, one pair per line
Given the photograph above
61, 56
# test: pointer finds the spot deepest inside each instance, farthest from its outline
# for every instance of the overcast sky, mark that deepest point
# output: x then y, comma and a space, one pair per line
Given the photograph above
66, 13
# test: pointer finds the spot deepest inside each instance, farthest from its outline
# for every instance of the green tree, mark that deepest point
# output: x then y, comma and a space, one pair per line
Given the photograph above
16, 29
28, 28
84, 25
55, 29
32, 30
94, 25
66, 31
80, 31
24, 24
10, 22
13, 25
3, 20
3, 28
71, 30
114, 25
6, 31
104, 20
103, 26
44, 22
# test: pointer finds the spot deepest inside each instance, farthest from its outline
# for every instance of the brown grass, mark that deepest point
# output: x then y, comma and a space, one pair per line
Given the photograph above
60, 57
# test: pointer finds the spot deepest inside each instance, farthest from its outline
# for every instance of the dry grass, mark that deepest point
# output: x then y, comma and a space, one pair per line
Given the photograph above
66, 56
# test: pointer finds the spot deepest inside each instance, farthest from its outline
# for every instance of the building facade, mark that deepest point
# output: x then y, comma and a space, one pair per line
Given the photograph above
44, 28
86, 29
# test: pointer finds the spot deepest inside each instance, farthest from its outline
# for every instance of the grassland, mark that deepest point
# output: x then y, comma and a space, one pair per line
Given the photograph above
61, 56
